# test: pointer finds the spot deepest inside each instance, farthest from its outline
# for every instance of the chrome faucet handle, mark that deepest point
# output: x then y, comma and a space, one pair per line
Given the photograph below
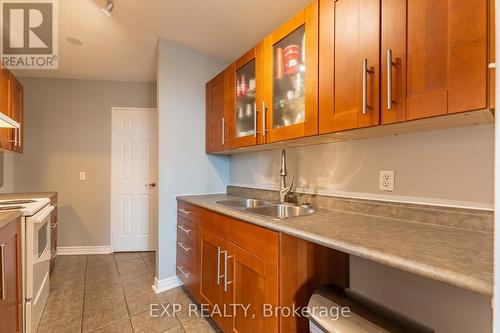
288, 188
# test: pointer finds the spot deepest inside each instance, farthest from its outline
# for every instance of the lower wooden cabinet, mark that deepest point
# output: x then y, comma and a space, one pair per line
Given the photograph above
241, 273
11, 303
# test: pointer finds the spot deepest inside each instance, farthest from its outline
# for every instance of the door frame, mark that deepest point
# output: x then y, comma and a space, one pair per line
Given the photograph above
154, 194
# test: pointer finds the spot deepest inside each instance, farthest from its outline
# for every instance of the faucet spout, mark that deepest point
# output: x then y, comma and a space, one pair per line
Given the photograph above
284, 189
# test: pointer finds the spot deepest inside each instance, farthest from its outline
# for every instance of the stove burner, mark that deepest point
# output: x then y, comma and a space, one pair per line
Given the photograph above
16, 202
12, 208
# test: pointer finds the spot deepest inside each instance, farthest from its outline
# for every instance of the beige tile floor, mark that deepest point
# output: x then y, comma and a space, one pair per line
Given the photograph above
112, 293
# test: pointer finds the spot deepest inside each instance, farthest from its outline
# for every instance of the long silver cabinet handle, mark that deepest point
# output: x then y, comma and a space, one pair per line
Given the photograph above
219, 252
186, 230
187, 275
223, 131
264, 115
226, 282
2, 268
254, 119
184, 211
389, 79
365, 79
182, 246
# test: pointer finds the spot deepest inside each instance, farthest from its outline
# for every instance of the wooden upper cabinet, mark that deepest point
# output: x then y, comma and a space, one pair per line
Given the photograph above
6, 134
349, 64
439, 58
291, 78
245, 96
216, 138
17, 104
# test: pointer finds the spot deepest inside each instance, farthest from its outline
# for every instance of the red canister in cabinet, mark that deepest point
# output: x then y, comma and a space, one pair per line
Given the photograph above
292, 58
243, 86
280, 65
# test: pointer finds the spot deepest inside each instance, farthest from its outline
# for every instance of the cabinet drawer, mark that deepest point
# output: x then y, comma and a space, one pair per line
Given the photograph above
186, 211
186, 249
186, 229
185, 241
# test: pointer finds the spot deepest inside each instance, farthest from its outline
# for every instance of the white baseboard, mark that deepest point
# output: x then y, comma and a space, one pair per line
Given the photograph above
81, 250
166, 284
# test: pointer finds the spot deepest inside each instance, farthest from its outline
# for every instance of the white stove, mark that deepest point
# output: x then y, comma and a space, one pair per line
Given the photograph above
28, 207
35, 235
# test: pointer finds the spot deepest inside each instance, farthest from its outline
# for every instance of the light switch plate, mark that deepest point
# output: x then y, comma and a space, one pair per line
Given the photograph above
386, 180
83, 175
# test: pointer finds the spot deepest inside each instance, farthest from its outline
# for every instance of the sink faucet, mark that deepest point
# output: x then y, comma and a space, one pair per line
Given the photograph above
284, 190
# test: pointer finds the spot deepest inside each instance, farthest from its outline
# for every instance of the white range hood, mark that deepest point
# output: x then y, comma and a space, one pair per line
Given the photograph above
7, 122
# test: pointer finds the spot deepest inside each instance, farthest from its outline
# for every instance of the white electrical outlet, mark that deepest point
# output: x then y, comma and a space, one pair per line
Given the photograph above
387, 180
83, 175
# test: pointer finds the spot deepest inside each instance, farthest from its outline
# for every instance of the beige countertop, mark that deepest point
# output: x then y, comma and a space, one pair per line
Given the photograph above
27, 195
460, 257
8, 217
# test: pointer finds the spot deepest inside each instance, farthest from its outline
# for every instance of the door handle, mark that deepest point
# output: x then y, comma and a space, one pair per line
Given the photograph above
223, 131
226, 282
219, 252
264, 115
2, 268
254, 119
151, 185
389, 79
365, 79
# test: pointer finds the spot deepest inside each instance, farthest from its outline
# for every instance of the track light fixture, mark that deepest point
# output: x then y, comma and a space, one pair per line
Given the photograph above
109, 7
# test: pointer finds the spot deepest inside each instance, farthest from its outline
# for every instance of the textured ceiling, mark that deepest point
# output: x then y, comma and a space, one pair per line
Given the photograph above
123, 47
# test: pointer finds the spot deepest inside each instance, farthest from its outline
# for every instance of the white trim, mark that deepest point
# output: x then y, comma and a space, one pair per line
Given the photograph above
166, 284
80, 250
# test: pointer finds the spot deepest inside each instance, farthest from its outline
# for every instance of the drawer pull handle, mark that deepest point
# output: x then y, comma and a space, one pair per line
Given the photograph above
187, 275
186, 249
185, 211
186, 230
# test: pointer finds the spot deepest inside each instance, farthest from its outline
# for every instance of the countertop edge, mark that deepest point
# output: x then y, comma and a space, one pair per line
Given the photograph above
8, 217
435, 273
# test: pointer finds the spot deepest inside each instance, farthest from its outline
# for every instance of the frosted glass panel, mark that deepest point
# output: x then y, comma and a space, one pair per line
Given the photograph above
245, 100
288, 84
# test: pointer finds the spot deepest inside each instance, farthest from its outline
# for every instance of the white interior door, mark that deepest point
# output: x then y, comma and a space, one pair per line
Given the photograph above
133, 178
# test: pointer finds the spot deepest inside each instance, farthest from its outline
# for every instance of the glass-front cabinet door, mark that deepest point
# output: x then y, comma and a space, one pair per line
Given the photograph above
246, 99
291, 78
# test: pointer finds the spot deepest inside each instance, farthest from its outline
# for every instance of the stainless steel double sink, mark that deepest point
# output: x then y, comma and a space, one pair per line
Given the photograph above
268, 208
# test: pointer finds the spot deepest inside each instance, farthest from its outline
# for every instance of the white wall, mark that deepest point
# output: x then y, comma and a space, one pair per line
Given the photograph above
184, 168
448, 167
453, 167
68, 130
7, 172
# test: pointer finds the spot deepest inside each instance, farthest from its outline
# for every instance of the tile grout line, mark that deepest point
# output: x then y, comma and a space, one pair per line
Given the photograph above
123, 292
84, 291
